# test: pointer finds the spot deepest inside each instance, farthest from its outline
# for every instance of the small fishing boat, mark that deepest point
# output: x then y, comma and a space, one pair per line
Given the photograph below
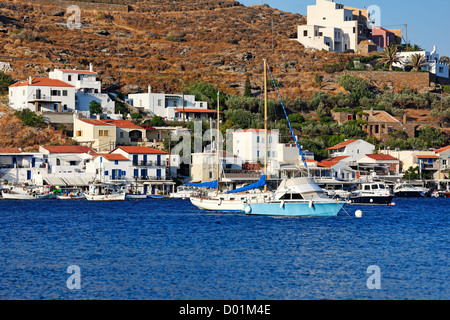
156, 196
105, 192
136, 196
70, 194
371, 193
26, 193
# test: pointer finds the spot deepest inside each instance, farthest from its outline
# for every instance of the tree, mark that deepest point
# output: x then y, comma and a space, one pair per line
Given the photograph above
389, 56
247, 88
358, 87
417, 61
95, 107
5, 82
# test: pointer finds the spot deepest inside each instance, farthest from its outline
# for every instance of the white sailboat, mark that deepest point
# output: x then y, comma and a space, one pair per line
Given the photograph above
299, 197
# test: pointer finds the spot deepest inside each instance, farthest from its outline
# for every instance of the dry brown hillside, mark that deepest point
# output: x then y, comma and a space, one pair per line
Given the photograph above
167, 44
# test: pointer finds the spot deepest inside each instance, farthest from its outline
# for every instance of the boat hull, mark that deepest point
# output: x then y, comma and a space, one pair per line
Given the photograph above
136, 196
295, 209
409, 194
70, 198
372, 200
217, 205
103, 197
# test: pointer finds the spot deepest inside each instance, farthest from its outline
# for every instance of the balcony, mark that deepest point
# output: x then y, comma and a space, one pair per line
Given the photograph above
147, 164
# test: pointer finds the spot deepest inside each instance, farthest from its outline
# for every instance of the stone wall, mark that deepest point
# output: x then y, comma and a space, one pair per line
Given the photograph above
418, 81
97, 5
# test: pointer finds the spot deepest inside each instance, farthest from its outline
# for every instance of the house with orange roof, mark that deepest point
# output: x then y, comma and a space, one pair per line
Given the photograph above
20, 167
127, 132
379, 164
444, 162
95, 133
87, 88
41, 94
352, 149
146, 163
109, 167
172, 107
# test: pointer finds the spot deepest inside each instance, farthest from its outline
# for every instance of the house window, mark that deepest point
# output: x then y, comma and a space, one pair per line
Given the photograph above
257, 154
305, 33
441, 69
354, 30
55, 106
116, 162
121, 135
257, 139
79, 133
65, 107
270, 139
103, 133
64, 93
69, 78
56, 93
201, 104
159, 102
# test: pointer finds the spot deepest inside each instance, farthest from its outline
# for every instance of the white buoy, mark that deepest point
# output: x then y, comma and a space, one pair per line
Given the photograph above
358, 213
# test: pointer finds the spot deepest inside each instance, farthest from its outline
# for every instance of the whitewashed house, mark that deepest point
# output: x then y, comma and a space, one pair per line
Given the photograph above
40, 94
66, 165
353, 150
21, 167
333, 27
432, 62
88, 89
172, 107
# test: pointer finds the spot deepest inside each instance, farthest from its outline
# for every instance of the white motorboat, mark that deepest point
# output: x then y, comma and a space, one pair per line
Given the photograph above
297, 197
371, 193
183, 192
105, 192
228, 202
404, 190
26, 193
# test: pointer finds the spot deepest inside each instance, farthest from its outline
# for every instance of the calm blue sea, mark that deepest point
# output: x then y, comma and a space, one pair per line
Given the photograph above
168, 249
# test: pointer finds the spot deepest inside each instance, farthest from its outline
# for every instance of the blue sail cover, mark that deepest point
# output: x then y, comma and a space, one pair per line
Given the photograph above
211, 184
260, 183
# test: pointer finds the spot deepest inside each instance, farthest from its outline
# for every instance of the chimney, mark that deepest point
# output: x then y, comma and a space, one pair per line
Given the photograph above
98, 117
149, 89
91, 68
30, 80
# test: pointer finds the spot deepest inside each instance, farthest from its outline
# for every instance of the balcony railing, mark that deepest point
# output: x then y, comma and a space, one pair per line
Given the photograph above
147, 164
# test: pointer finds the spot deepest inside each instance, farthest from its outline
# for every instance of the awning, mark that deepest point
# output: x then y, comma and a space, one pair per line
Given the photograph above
76, 182
69, 157
55, 181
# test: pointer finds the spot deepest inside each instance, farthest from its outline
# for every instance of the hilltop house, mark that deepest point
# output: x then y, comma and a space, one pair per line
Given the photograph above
64, 91
88, 89
333, 27
432, 62
172, 107
42, 94
353, 150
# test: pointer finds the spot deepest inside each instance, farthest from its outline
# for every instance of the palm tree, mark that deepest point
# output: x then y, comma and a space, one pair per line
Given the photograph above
417, 61
389, 56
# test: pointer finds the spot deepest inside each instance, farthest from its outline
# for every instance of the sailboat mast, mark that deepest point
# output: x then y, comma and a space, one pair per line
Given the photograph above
265, 122
217, 141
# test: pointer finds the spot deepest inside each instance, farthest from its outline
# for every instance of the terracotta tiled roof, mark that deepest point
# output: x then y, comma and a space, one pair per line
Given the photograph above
381, 157
342, 144
10, 150
96, 122
77, 71
125, 124
69, 149
328, 163
42, 82
427, 156
112, 156
380, 116
186, 110
145, 150
442, 149
253, 130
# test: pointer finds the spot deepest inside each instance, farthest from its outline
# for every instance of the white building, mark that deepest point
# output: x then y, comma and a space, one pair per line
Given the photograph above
431, 58
352, 149
42, 94
249, 145
333, 27
88, 89
21, 167
172, 107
